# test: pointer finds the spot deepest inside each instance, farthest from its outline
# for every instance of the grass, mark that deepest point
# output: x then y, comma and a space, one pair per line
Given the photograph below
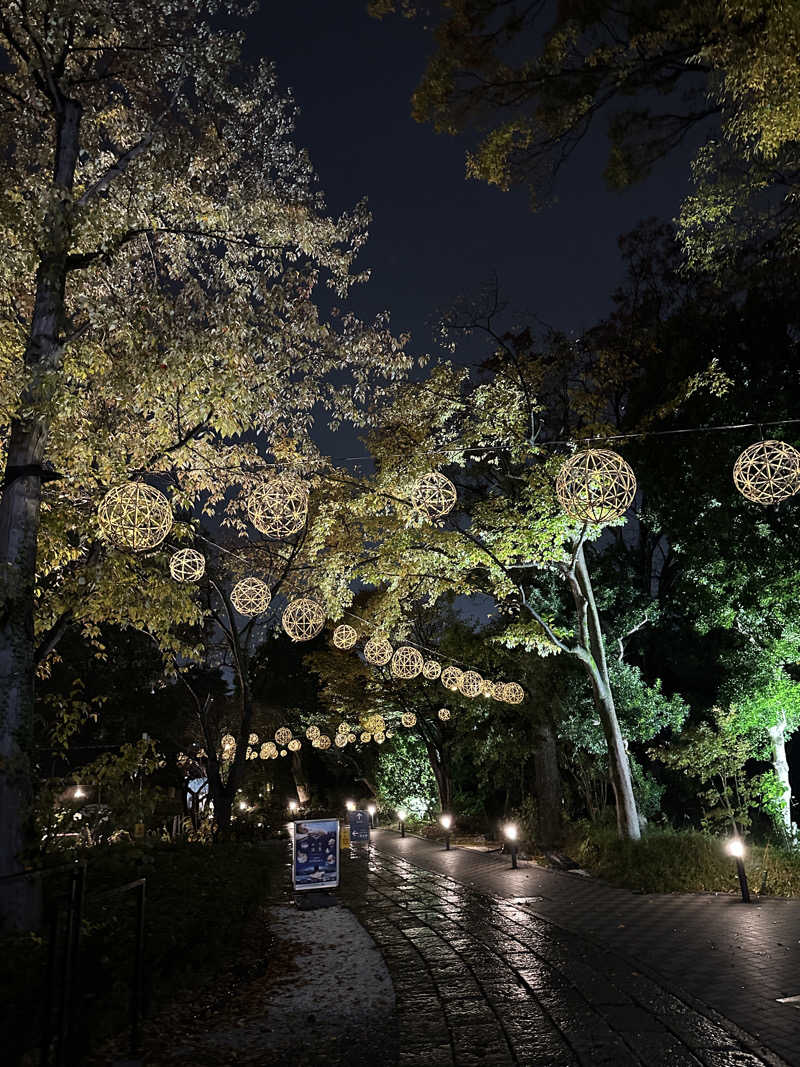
685, 861
199, 899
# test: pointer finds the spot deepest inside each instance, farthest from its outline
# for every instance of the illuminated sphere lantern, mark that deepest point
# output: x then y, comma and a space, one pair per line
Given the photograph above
378, 651
433, 495
470, 684
312, 733
487, 688
283, 735
253, 739
767, 472
343, 728
295, 745
271, 750
264, 753
407, 662
595, 486
187, 565
323, 741
344, 636
375, 723
135, 516
303, 619
513, 693
284, 752
444, 714
431, 669
251, 596
340, 740
451, 677
351, 737
278, 508
366, 737
380, 738
408, 718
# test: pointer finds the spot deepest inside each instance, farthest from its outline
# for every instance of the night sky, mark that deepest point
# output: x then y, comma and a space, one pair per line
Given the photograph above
435, 235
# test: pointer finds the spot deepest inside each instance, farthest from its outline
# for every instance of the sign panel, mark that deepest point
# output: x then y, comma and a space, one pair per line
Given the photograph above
359, 826
315, 854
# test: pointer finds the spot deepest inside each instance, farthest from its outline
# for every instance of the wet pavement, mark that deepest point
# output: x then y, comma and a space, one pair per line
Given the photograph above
483, 976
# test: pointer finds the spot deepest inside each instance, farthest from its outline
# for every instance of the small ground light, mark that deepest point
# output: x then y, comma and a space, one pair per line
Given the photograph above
511, 834
350, 805
447, 824
402, 815
79, 793
736, 849
242, 805
372, 810
293, 805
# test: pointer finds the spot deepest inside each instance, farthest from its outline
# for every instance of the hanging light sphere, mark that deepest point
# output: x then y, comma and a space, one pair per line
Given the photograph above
431, 669
376, 723
295, 745
187, 565
351, 737
135, 516
380, 738
487, 688
271, 750
343, 728
251, 596
344, 636
390, 733
323, 741
303, 619
433, 495
312, 733
264, 751
596, 485
228, 741
451, 677
279, 507
366, 736
513, 693
407, 662
377, 650
340, 740
408, 718
444, 714
283, 735
767, 472
284, 752
470, 683
253, 739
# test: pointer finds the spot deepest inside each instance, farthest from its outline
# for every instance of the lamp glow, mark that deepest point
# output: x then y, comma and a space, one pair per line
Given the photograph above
446, 821
371, 809
736, 848
292, 805
79, 793
350, 805
242, 805
510, 831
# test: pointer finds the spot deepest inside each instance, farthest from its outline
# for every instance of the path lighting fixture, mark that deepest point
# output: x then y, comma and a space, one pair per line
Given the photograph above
242, 805
736, 849
293, 806
447, 824
372, 810
402, 815
511, 833
350, 805
79, 793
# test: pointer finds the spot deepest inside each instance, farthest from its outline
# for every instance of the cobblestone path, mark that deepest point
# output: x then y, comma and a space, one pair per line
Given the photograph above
482, 981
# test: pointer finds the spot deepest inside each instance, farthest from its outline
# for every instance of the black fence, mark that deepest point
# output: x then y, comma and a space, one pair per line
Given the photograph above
70, 981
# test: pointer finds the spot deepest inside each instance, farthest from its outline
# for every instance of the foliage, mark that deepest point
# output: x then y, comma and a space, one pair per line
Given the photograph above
404, 777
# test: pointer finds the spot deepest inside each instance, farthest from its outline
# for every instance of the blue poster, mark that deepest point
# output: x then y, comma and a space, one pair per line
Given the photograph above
315, 860
359, 826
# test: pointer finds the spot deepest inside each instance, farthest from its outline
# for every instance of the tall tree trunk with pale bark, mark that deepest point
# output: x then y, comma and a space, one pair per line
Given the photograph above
19, 524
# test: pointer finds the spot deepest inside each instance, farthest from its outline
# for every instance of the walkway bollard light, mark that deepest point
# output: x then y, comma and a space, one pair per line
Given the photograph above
79, 793
402, 815
736, 849
293, 806
447, 823
371, 809
510, 832
350, 805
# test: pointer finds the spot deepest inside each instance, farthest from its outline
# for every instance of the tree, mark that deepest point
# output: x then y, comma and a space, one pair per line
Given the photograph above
165, 241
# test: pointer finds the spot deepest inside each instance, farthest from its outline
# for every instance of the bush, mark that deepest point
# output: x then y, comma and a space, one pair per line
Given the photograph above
198, 901
683, 861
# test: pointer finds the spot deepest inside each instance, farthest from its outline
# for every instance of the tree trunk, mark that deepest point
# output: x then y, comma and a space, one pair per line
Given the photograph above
300, 780
780, 765
19, 526
592, 655
223, 805
548, 787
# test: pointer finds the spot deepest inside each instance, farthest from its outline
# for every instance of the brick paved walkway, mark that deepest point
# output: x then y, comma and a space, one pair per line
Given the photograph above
484, 980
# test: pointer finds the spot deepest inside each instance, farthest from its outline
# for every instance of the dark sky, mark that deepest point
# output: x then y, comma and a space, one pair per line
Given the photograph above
435, 235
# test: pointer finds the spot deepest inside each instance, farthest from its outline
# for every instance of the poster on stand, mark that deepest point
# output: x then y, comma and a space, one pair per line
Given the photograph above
359, 826
315, 854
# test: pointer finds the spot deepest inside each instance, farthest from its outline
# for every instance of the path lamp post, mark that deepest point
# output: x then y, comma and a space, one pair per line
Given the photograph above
293, 805
402, 815
447, 823
736, 849
350, 805
371, 809
510, 832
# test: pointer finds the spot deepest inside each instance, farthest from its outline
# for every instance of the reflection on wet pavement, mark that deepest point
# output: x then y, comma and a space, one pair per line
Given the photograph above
481, 981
